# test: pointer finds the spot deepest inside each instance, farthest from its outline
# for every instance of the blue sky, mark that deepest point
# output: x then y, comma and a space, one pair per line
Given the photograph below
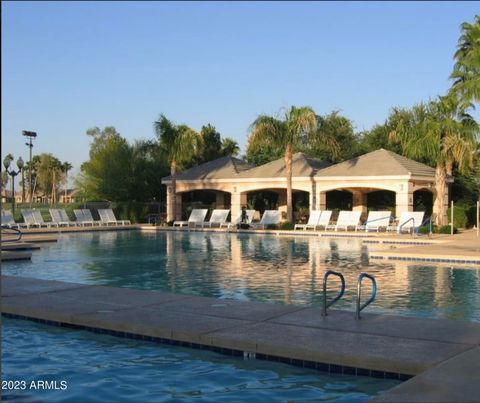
69, 66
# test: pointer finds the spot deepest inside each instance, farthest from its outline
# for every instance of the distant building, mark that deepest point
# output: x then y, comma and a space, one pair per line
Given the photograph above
40, 197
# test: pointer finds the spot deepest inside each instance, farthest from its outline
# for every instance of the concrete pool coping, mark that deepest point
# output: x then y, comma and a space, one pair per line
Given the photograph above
377, 345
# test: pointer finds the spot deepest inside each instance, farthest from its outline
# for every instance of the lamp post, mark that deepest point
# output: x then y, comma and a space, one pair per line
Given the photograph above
13, 173
30, 135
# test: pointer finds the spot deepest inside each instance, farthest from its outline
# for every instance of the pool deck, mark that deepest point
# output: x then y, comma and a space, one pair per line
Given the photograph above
438, 353
464, 247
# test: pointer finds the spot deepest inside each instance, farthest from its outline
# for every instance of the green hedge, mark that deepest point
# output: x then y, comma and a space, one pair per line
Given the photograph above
134, 211
442, 230
460, 215
286, 225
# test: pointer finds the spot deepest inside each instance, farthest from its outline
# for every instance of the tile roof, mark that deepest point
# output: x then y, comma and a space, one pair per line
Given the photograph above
378, 163
302, 166
221, 168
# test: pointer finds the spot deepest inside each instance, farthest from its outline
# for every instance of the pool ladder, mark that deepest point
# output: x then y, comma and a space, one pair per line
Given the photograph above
358, 307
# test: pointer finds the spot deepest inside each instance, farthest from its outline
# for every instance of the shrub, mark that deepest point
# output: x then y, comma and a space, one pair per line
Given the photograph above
271, 226
287, 225
446, 229
426, 229
134, 211
460, 215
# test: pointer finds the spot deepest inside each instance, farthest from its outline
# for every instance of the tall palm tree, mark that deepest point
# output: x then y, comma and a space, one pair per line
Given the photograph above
179, 144
466, 72
441, 133
55, 167
298, 123
65, 167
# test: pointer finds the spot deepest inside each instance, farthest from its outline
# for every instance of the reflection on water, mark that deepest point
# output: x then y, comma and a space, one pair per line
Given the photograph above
254, 267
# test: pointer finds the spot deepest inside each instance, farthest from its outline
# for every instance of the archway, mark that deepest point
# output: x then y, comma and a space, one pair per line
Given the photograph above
423, 201
339, 200
209, 199
381, 200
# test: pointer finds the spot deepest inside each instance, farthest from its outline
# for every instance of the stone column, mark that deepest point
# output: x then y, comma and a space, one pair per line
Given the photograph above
178, 209
312, 198
322, 201
169, 204
403, 198
359, 201
237, 201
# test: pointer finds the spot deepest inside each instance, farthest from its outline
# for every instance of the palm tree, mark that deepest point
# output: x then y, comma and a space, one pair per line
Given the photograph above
179, 144
230, 147
55, 166
298, 123
442, 134
65, 167
466, 72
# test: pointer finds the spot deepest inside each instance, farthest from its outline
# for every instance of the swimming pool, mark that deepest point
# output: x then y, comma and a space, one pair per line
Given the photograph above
100, 368
286, 270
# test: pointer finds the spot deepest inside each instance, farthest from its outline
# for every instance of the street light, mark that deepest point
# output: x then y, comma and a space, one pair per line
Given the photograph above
30, 135
13, 173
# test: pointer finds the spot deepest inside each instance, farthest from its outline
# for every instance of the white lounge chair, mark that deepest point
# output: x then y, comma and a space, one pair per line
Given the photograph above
107, 216
9, 221
324, 220
312, 220
89, 218
376, 220
33, 218
84, 217
218, 217
238, 220
409, 220
37, 216
270, 217
346, 220
197, 216
60, 217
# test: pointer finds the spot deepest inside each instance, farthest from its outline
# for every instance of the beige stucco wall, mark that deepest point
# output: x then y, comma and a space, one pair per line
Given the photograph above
317, 187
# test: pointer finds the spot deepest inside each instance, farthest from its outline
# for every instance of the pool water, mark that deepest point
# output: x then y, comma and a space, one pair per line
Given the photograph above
100, 368
284, 270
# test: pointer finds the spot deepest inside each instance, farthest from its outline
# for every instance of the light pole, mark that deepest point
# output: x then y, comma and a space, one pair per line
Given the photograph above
30, 135
13, 173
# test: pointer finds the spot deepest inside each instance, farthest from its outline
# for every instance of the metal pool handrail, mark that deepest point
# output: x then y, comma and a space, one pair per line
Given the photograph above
339, 295
359, 293
376, 219
17, 231
427, 220
413, 228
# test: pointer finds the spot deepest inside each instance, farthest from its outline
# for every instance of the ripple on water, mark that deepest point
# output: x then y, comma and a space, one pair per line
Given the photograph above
100, 368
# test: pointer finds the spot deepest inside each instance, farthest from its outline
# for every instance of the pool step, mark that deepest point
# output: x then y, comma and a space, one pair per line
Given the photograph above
7, 256
17, 246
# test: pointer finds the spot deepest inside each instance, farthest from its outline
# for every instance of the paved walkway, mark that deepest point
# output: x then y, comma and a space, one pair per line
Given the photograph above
377, 345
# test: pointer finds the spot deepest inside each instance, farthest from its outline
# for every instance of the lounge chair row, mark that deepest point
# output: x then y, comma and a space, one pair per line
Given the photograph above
319, 219
219, 218
376, 220
33, 218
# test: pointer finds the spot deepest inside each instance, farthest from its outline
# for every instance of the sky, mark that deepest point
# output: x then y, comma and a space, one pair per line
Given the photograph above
70, 66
